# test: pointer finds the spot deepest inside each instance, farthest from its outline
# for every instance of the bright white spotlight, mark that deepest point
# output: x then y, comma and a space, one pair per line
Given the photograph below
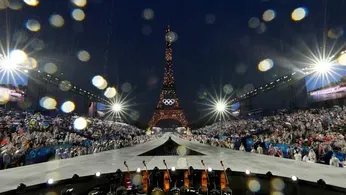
173, 168
210, 169
98, 174
117, 107
294, 178
247, 172
8, 65
220, 106
138, 170
50, 181
323, 66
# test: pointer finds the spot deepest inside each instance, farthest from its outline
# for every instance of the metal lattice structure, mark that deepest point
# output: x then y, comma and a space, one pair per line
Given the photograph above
168, 106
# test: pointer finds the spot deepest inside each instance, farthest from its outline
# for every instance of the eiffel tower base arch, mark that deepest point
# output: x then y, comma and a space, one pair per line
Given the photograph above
177, 115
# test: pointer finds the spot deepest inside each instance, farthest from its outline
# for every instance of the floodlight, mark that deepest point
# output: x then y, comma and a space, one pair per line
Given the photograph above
322, 66
117, 107
9, 65
220, 106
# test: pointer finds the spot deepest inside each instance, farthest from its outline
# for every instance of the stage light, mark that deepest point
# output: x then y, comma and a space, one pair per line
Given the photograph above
294, 178
97, 174
9, 65
221, 106
173, 168
323, 66
247, 172
117, 107
138, 170
50, 181
210, 169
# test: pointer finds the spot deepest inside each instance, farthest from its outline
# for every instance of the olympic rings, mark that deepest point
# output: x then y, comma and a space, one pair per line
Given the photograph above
168, 102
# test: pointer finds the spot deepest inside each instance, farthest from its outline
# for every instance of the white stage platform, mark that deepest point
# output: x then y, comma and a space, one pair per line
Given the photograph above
110, 161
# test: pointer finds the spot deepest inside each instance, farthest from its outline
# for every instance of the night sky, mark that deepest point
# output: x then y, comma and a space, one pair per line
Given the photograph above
215, 44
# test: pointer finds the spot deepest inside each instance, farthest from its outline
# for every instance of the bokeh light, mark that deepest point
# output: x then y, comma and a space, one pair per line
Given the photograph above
336, 32
269, 15
68, 107
261, 28
30, 63
15, 4
182, 163
65, 85
146, 30
48, 103
50, 68
299, 14
56, 20
83, 56
33, 25
4, 96
134, 115
342, 59
79, 3
265, 65
126, 87
182, 151
277, 184
241, 68
137, 179
37, 44
32, 2
18, 56
254, 185
4, 4
248, 87
148, 14
99, 82
171, 37
277, 193
228, 89
80, 123
110, 92
78, 14
254, 22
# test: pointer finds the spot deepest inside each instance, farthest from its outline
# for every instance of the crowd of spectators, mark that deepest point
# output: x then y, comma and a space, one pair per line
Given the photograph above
23, 133
320, 131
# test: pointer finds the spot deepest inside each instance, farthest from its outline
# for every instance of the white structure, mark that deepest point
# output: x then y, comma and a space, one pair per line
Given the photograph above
110, 161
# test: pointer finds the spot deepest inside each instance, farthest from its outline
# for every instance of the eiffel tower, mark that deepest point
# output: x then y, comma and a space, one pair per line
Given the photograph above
168, 106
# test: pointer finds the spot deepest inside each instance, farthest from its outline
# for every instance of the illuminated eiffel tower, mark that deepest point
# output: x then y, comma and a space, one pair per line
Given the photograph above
168, 106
